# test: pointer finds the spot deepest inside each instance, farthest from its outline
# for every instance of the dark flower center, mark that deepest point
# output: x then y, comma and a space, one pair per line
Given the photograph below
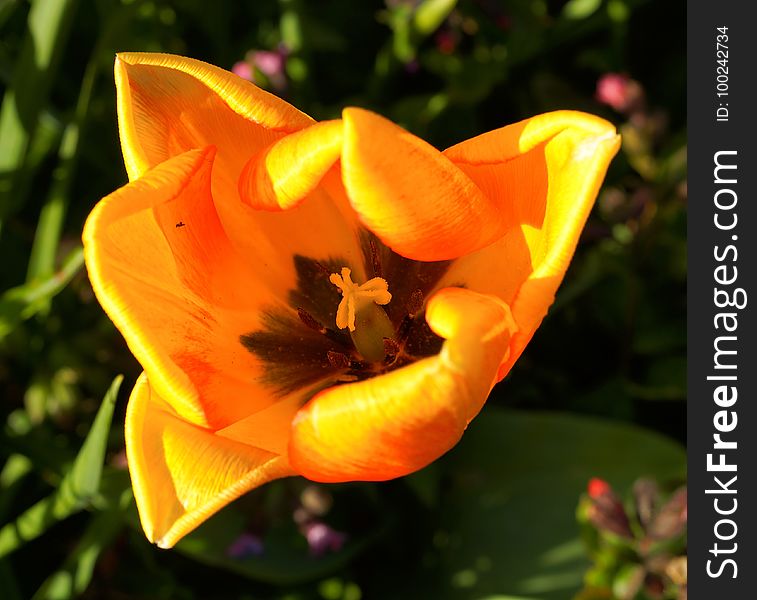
300, 344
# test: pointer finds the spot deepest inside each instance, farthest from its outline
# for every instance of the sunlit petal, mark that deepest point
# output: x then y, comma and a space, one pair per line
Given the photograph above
549, 169
182, 473
410, 195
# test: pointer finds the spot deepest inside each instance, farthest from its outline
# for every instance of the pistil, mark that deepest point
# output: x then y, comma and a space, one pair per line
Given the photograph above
360, 311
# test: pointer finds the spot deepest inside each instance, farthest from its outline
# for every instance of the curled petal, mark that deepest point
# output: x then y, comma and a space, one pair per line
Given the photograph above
412, 196
170, 104
290, 169
182, 473
549, 169
399, 422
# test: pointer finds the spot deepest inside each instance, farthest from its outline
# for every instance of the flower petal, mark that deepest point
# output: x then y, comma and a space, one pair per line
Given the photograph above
164, 271
181, 473
290, 169
411, 196
549, 168
399, 422
169, 104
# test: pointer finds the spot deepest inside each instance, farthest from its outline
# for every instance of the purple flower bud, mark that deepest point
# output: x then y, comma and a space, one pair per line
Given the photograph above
671, 520
244, 546
322, 539
645, 495
606, 511
243, 69
620, 92
271, 64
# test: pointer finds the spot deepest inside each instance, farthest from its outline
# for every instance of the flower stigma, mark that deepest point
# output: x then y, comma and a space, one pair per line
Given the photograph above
360, 311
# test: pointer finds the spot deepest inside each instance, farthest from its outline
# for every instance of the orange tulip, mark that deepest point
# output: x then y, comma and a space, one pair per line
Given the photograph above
334, 299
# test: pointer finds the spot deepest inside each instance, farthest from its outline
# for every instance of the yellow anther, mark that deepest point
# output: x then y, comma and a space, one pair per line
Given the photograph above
357, 297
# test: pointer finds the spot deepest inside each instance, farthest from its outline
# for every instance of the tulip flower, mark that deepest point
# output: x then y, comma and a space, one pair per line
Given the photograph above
333, 300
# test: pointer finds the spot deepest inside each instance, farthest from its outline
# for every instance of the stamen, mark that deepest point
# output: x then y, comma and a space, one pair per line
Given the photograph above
338, 360
375, 259
310, 321
404, 329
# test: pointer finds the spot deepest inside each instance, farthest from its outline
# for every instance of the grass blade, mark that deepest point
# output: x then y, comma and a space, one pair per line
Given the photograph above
52, 216
78, 487
49, 24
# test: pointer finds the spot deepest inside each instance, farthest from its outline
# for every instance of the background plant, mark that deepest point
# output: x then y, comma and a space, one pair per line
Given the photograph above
602, 380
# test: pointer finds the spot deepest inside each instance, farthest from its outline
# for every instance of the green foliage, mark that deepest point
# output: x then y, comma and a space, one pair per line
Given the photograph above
49, 24
503, 526
75, 491
600, 391
26, 300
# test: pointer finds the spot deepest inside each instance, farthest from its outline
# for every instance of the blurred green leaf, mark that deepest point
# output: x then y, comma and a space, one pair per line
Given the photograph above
506, 597
47, 136
628, 581
74, 577
291, 25
659, 338
510, 515
402, 41
430, 14
618, 10
16, 468
84, 477
580, 9
665, 379
49, 24
50, 225
24, 301
78, 487
411, 26
425, 483
8, 583
322, 36
47, 451
53, 394
6, 10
